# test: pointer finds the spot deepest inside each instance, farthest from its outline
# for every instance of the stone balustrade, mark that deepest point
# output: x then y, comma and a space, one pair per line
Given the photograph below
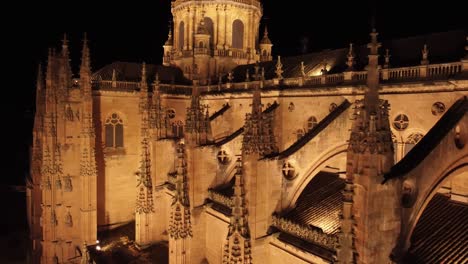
420, 72
306, 233
220, 198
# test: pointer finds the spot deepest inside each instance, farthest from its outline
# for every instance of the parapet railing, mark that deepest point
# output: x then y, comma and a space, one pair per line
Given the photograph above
307, 233
420, 72
255, 3
220, 198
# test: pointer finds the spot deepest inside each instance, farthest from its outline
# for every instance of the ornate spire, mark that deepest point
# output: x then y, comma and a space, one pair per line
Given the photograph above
158, 116
371, 96
50, 72
197, 126
324, 70
180, 226
144, 99
279, 68
144, 182
265, 39
170, 41
39, 80
237, 248
350, 57
425, 55
65, 68
303, 73
387, 59
258, 128
369, 156
85, 69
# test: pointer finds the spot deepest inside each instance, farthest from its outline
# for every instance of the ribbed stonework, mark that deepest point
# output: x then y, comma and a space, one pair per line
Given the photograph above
144, 208
180, 226
88, 170
237, 249
52, 164
158, 119
374, 207
198, 128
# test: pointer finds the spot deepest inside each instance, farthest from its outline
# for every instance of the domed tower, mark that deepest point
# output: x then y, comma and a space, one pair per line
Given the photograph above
233, 29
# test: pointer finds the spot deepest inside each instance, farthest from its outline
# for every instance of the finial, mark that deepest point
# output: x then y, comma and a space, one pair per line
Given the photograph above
143, 72
324, 69
374, 45
265, 39
303, 74
387, 58
65, 40
39, 79
425, 55
247, 76
257, 69
279, 68
85, 60
350, 57
85, 38
263, 73
114, 78
230, 76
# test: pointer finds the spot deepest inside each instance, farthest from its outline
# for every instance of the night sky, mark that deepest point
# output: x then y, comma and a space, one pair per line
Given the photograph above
131, 31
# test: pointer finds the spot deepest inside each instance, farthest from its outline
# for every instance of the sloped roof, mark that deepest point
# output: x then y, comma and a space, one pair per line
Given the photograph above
319, 204
131, 72
311, 134
443, 47
441, 234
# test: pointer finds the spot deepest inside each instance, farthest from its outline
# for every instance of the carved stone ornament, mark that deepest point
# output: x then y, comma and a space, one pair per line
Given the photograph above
289, 172
305, 232
332, 107
401, 122
438, 108
223, 157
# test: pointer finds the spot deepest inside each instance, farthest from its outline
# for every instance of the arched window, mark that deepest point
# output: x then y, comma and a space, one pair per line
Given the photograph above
209, 27
114, 131
412, 140
200, 45
311, 123
238, 34
181, 35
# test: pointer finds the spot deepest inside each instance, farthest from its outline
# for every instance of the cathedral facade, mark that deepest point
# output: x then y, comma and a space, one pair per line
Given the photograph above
230, 155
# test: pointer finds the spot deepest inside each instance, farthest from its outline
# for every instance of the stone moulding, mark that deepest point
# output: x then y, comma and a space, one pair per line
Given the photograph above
301, 231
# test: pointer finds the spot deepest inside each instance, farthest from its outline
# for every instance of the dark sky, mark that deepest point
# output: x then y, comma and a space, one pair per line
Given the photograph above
131, 31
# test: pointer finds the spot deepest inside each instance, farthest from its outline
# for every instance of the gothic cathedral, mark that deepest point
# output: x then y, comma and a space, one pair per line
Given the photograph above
226, 154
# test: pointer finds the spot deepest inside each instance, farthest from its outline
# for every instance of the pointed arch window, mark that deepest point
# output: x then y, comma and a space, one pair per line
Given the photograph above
114, 131
411, 141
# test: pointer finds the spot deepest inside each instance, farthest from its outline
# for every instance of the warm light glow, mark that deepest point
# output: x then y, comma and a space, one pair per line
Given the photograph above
97, 241
98, 247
